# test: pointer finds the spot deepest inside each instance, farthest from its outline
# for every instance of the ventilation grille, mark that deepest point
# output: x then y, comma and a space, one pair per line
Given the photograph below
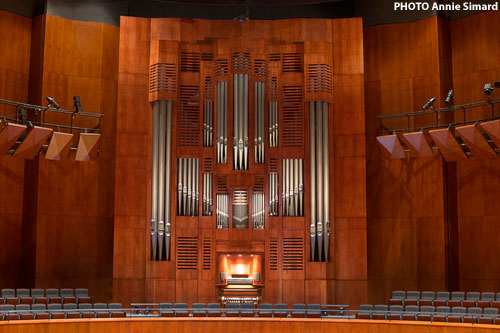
241, 61
221, 67
207, 165
207, 56
187, 252
273, 254
274, 57
273, 164
293, 254
273, 88
319, 78
190, 62
292, 62
260, 67
222, 184
259, 184
292, 117
208, 88
189, 116
162, 78
207, 253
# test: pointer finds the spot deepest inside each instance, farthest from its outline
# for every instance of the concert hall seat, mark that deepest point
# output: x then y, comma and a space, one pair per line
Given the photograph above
397, 297
213, 309
82, 295
24, 297
380, 312
456, 299
55, 310
298, 310
247, 310
365, 311
410, 312
232, 310
395, 312
457, 315
313, 311
486, 299
38, 296
265, 310
9, 296
166, 310
25, 312
71, 314
101, 310
40, 311
425, 313
442, 298
426, 298
53, 295
116, 310
471, 299
472, 315
199, 310
86, 306
280, 310
67, 295
4, 308
440, 313
489, 314
181, 310
412, 298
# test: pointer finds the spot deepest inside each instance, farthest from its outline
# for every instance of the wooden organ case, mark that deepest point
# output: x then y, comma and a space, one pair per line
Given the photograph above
241, 121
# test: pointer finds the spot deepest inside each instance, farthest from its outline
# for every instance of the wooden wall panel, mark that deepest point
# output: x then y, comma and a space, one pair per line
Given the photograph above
475, 42
14, 76
405, 198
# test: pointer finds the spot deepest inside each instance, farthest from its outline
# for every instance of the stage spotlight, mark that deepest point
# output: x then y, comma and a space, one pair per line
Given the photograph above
429, 103
77, 104
449, 98
53, 102
488, 89
241, 13
497, 84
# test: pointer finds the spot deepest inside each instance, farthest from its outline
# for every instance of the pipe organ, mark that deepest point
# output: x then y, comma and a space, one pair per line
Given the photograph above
270, 193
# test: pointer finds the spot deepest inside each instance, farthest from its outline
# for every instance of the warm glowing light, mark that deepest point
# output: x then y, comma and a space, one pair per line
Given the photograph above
240, 269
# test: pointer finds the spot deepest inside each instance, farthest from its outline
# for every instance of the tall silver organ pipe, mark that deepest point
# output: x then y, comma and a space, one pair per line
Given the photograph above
207, 194
222, 211
320, 190
188, 194
221, 122
260, 123
161, 180
240, 122
208, 116
273, 124
240, 209
273, 194
293, 187
258, 210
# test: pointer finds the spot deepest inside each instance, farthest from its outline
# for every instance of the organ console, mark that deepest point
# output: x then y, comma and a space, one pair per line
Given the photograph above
240, 278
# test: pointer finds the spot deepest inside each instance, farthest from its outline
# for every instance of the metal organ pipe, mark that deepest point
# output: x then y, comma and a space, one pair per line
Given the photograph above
258, 214
326, 181
161, 178
207, 123
291, 184
207, 194
222, 211
240, 122
188, 177
221, 122
260, 105
154, 182
273, 194
312, 126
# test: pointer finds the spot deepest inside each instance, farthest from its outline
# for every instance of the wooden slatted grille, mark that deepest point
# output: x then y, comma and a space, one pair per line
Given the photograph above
273, 254
189, 116
274, 57
208, 88
293, 117
273, 89
292, 62
273, 164
207, 253
207, 56
162, 78
187, 252
293, 253
319, 78
222, 184
259, 184
207, 165
190, 62
221, 67
241, 61
260, 68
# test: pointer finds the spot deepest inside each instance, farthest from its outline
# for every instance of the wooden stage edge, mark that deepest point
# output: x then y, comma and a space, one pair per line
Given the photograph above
220, 325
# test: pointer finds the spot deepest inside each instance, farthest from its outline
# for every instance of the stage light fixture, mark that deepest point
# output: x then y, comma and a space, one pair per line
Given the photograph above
449, 97
429, 103
488, 89
77, 104
23, 116
53, 103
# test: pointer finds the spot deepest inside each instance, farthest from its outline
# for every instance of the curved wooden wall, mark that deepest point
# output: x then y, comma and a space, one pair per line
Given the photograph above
238, 325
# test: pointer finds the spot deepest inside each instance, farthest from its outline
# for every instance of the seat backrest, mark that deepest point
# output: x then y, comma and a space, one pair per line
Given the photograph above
115, 306
66, 292
247, 306
81, 292
213, 306
458, 295
443, 295
280, 306
472, 296
6, 307
232, 306
443, 309
381, 307
85, 306
54, 306
498, 296
458, 309
180, 306
8, 293
411, 308
427, 308
37, 292
428, 295
69, 306
23, 307
490, 311
398, 294
23, 292
316, 307
199, 306
474, 310
38, 307
366, 307
412, 294
166, 305
488, 296
265, 306
52, 292
298, 306
100, 306
396, 308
